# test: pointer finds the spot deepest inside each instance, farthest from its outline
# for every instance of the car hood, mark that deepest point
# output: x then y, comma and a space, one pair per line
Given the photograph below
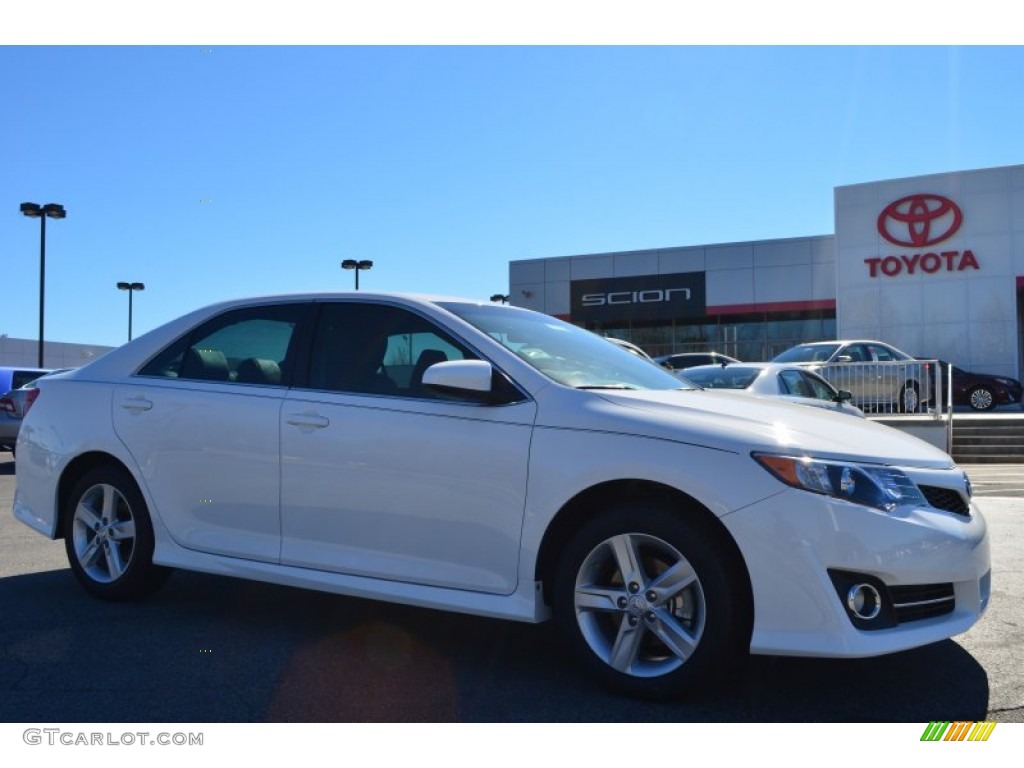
739, 423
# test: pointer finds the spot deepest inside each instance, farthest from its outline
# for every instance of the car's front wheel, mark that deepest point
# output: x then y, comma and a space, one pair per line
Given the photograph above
108, 536
649, 601
982, 398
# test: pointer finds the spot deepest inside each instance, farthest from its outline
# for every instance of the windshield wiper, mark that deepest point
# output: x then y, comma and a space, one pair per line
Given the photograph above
606, 386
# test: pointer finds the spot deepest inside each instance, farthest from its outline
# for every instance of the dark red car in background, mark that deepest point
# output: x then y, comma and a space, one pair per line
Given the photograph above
981, 391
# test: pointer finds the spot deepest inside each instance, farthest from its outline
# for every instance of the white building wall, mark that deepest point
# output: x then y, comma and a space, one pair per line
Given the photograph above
967, 316
56, 354
737, 274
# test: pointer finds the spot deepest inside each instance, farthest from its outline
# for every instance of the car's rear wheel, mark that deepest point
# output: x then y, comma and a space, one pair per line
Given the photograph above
910, 398
649, 602
981, 398
108, 536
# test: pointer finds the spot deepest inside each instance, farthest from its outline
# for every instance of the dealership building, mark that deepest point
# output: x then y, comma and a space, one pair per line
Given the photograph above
933, 265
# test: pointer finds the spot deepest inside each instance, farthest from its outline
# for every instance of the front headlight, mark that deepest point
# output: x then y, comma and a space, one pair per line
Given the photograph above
883, 488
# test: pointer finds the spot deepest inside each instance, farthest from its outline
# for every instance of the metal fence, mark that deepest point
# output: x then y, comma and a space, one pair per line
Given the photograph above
882, 389
899, 386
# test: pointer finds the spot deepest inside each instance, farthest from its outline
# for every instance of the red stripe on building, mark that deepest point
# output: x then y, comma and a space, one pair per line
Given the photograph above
771, 306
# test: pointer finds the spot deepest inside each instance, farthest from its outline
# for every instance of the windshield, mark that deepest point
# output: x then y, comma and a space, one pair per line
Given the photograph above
807, 353
570, 355
723, 377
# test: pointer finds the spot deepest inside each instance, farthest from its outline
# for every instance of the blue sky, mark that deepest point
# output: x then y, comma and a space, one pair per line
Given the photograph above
209, 171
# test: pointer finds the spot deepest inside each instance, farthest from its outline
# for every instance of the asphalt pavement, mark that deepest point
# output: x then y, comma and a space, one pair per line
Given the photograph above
215, 649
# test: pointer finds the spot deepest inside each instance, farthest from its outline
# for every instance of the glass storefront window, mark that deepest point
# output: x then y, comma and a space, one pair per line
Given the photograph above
750, 338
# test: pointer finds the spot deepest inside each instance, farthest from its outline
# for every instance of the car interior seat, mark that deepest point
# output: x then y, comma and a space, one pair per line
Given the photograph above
205, 364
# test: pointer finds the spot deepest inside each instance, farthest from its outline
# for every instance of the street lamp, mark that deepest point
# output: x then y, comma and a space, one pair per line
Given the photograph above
131, 288
357, 266
501, 298
42, 212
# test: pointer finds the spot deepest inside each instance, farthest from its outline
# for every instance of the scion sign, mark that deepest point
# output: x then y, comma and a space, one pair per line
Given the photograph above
653, 297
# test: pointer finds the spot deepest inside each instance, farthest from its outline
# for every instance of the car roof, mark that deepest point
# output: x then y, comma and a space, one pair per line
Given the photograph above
762, 366
844, 341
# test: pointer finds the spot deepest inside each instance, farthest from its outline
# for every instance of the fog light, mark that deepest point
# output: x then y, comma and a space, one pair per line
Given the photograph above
864, 601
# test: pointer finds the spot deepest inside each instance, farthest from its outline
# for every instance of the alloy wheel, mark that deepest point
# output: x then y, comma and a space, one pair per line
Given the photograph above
981, 399
103, 531
639, 605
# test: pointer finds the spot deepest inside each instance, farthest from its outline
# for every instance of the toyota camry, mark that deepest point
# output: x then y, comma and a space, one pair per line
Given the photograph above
488, 459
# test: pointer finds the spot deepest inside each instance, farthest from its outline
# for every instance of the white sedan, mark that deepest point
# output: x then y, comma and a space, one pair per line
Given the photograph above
790, 382
474, 457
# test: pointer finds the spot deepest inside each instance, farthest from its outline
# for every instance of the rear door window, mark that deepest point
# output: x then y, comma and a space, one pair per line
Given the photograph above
247, 346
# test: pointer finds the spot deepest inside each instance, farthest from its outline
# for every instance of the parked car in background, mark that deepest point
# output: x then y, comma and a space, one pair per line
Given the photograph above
980, 391
13, 377
683, 360
789, 382
877, 374
15, 383
476, 457
630, 347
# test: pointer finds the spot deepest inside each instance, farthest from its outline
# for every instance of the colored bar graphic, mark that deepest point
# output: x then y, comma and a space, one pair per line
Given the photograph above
982, 731
960, 730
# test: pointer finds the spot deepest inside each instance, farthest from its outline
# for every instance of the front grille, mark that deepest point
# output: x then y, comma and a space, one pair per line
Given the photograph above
922, 601
946, 498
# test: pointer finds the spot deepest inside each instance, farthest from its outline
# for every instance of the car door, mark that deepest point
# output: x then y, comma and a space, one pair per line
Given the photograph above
202, 421
860, 374
385, 479
888, 374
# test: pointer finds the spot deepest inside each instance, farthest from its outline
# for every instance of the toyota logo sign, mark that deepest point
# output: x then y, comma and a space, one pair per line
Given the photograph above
919, 220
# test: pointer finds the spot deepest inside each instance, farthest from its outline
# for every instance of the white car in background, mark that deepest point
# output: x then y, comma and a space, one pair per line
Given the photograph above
488, 459
789, 382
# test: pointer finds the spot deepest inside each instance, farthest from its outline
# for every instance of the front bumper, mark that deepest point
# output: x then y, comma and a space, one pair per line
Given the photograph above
1008, 397
792, 541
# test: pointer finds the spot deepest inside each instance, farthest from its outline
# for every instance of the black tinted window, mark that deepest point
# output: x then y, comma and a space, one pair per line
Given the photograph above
21, 378
245, 346
377, 349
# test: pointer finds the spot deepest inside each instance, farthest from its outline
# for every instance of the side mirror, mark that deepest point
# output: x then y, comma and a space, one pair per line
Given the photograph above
844, 359
464, 375
843, 396
470, 380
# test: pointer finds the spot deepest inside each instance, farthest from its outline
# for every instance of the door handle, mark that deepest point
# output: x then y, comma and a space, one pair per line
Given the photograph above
308, 420
136, 404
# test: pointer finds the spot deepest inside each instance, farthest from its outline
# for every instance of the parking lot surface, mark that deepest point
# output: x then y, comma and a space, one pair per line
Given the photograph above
1001, 480
214, 649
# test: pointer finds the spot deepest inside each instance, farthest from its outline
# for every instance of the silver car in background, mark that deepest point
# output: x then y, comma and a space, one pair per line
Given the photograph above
879, 376
13, 407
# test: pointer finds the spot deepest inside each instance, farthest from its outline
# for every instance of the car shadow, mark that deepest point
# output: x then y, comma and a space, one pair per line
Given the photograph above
213, 649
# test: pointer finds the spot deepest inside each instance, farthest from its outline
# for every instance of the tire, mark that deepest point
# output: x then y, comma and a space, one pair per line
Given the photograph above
108, 536
981, 398
639, 632
910, 398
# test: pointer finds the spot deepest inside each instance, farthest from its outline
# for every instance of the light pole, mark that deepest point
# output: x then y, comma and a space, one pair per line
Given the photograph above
501, 298
42, 212
131, 288
358, 266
